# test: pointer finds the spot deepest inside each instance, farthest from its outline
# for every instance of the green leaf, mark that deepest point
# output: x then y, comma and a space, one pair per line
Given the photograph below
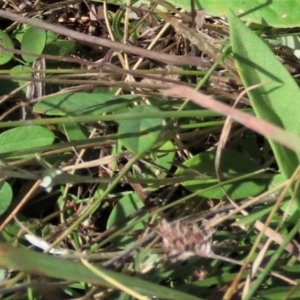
233, 164
6, 42
162, 162
19, 32
34, 40
21, 71
280, 292
40, 263
138, 135
278, 100
276, 13
164, 157
75, 104
10, 85
269, 13
60, 48
124, 207
6, 195
27, 137
50, 37
74, 131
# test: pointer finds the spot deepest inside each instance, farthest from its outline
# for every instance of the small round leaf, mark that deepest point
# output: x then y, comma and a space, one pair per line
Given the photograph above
138, 135
6, 195
125, 206
23, 138
34, 40
6, 42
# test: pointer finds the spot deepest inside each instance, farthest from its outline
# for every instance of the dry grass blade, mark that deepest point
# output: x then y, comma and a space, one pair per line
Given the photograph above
267, 129
112, 192
158, 56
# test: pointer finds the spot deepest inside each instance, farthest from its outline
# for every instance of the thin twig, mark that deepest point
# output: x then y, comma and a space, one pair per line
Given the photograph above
157, 56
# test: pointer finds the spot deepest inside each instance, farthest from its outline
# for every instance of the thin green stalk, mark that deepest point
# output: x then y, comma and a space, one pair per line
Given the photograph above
207, 75
114, 117
100, 199
274, 259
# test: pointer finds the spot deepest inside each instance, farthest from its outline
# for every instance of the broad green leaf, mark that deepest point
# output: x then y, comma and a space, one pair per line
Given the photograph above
164, 157
19, 32
250, 145
50, 37
10, 85
160, 163
124, 207
278, 100
60, 48
34, 40
137, 135
75, 104
276, 13
27, 137
6, 42
54, 267
6, 195
74, 131
21, 71
233, 164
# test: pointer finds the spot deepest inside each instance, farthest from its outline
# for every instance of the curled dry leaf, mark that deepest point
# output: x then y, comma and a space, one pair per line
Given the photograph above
181, 242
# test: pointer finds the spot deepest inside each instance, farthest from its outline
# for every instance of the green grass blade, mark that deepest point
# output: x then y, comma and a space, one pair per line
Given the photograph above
278, 100
46, 265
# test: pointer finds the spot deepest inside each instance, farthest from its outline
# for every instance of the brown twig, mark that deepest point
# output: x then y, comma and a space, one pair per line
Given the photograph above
157, 56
